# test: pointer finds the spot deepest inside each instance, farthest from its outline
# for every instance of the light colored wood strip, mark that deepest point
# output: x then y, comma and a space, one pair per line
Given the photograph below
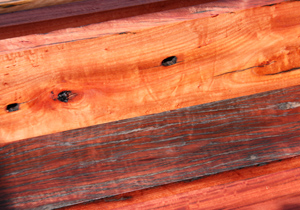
120, 76
7, 6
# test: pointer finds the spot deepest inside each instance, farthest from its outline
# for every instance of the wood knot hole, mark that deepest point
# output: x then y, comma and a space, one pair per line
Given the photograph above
65, 96
12, 107
169, 61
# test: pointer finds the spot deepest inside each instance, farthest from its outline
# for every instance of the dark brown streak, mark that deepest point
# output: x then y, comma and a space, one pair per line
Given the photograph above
269, 5
115, 198
7, 6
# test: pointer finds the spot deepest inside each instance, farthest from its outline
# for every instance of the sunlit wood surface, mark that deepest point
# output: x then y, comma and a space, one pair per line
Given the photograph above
118, 75
132, 102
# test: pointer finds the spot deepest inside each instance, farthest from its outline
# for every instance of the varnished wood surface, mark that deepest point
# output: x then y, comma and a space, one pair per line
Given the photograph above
7, 6
120, 76
269, 198
114, 158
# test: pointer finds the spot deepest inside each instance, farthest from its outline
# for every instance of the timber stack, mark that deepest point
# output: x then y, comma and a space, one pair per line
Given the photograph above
149, 104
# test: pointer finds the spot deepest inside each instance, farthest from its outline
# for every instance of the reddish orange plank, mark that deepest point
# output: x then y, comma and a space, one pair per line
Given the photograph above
120, 76
128, 200
273, 191
109, 18
88, 9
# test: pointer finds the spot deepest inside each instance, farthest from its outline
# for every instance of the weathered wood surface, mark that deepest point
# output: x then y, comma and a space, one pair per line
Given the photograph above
271, 200
17, 5
113, 17
89, 8
114, 158
120, 76
96, 10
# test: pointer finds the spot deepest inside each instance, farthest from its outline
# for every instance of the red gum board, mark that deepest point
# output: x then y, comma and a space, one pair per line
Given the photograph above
21, 29
278, 191
118, 157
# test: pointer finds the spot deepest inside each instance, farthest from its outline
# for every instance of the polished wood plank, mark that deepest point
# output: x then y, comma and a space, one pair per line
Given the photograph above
114, 158
121, 76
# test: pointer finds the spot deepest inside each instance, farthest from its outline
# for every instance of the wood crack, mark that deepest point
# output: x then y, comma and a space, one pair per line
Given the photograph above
285, 71
241, 70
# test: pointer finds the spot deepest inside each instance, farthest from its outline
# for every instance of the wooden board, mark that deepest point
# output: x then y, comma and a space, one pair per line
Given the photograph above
120, 76
110, 159
70, 66
271, 198
102, 18
278, 191
100, 10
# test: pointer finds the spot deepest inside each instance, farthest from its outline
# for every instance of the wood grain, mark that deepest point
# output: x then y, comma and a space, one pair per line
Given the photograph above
114, 158
94, 11
7, 6
120, 76
166, 192
84, 8
278, 191
101, 18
